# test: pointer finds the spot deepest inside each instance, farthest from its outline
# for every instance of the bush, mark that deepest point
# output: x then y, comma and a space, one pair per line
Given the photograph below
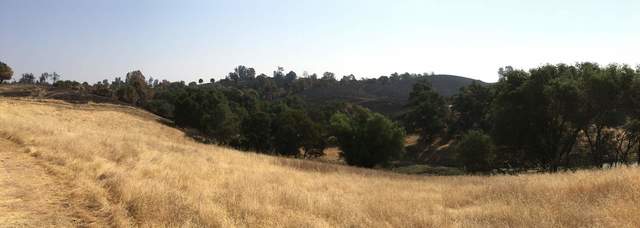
367, 139
476, 151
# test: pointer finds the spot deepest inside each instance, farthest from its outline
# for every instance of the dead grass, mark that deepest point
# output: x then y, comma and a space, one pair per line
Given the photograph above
134, 171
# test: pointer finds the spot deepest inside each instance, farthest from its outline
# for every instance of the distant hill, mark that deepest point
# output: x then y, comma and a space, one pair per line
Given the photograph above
389, 97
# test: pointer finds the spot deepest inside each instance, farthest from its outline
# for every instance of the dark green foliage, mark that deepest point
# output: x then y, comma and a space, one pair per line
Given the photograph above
166, 95
209, 112
427, 112
540, 116
604, 106
471, 107
293, 130
367, 139
5, 72
476, 152
256, 132
535, 116
161, 107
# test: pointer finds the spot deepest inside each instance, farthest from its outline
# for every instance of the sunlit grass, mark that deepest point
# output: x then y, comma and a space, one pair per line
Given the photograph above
132, 170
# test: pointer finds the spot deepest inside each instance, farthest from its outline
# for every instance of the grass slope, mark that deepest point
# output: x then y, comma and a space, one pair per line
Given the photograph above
131, 170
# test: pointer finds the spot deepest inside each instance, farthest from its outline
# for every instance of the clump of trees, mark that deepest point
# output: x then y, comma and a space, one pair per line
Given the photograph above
367, 139
548, 118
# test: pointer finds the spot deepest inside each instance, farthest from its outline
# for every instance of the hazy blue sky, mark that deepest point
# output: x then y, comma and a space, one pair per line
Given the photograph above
184, 40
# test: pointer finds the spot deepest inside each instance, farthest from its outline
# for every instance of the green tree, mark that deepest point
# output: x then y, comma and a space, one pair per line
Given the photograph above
5, 72
537, 116
291, 130
476, 151
427, 112
604, 91
471, 108
367, 139
256, 132
209, 112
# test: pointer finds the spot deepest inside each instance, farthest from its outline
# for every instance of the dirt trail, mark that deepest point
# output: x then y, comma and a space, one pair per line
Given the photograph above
29, 196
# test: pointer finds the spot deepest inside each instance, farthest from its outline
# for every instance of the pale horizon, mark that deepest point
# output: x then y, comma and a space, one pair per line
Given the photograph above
185, 41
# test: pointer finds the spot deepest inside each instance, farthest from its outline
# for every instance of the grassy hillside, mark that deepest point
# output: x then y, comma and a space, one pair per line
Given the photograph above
125, 167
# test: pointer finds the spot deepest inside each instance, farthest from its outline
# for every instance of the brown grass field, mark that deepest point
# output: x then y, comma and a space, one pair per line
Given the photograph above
108, 165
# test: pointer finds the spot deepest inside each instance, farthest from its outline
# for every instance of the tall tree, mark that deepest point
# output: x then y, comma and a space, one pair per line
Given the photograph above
427, 112
5, 72
603, 104
471, 108
135, 89
537, 116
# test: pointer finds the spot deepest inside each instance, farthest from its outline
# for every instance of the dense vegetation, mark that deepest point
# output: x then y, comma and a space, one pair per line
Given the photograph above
548, 118
555, 116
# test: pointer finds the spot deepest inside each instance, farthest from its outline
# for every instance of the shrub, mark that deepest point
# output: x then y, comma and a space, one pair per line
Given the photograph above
476, 151
367, 139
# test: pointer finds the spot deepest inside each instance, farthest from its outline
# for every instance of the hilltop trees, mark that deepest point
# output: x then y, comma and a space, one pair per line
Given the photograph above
5, 72
134, 89
367, 139
43, 78
27, 78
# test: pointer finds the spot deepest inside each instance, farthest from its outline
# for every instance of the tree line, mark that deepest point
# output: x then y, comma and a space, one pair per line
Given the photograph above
548, 118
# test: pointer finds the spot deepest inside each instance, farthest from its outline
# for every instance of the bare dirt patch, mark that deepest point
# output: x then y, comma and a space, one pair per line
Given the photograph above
29, 196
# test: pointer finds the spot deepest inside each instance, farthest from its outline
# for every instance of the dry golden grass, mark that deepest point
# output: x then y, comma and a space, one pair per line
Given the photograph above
129, 170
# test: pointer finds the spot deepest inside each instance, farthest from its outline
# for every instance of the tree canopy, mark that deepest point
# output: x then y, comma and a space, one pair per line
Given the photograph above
5, 72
